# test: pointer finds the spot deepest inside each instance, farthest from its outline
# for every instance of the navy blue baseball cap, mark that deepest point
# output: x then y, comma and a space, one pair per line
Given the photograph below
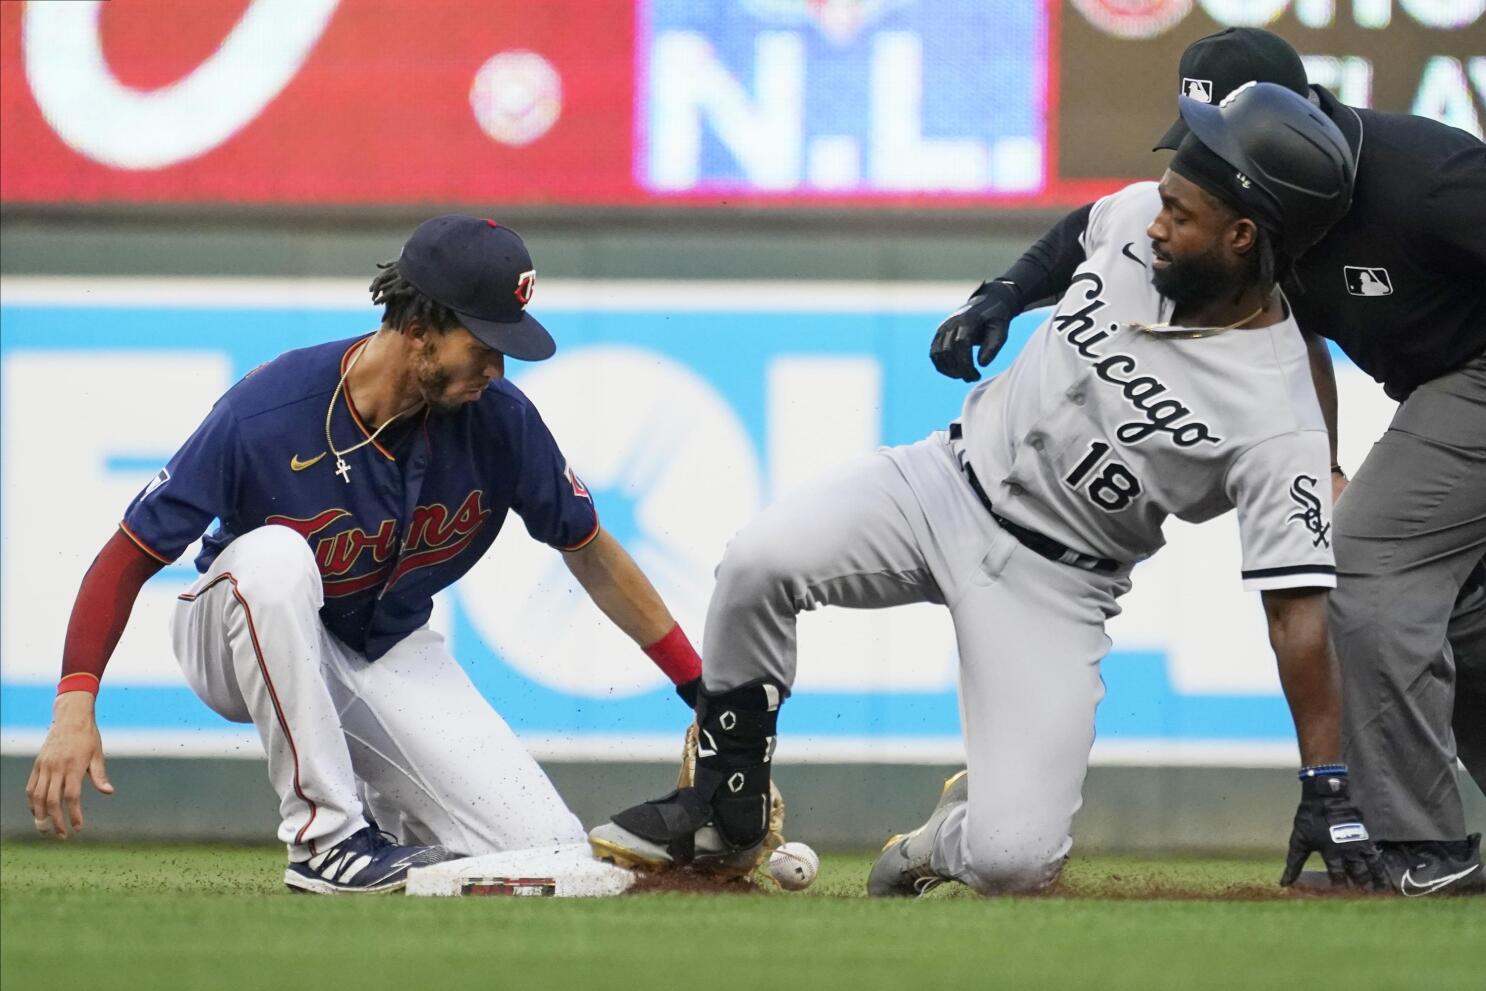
483, 272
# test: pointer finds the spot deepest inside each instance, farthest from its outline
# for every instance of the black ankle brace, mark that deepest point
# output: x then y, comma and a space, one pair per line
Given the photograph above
737, 745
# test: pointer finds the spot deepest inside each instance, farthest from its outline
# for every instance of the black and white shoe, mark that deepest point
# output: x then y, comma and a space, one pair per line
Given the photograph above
366, 862
1418, 868
1439, 867
708, 850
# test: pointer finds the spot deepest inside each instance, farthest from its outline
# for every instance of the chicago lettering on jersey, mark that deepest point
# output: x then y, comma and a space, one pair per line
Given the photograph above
1167, 415
434, 535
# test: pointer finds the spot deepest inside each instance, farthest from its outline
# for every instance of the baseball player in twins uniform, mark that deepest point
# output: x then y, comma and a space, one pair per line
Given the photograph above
350, 482
1170, 380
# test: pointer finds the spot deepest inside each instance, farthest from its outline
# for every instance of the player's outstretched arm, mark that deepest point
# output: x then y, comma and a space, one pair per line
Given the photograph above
73, 749
618, 587
978, 329
1326, 822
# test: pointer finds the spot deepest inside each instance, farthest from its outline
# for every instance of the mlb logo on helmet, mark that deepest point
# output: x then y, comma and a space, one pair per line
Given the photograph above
1364, 281
1200, 90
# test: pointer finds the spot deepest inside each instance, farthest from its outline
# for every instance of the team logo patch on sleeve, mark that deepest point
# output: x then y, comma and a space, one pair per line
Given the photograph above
1364, 281
1302, 491
579, 489
157, 481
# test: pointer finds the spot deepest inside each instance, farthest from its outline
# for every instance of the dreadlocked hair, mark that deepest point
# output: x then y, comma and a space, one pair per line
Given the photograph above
1272, 266
403, 304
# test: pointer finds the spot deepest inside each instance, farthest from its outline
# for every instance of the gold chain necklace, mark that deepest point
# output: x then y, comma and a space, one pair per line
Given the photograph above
341, 467
1193, 333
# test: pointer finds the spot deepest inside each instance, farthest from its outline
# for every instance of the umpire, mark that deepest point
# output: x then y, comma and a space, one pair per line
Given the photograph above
1400, 285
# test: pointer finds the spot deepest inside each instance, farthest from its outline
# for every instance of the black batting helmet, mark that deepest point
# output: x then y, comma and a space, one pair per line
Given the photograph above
1292, 167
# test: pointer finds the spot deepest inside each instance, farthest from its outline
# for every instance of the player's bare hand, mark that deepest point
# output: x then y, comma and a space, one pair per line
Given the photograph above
1328, 823
981, 323
72, 751
1338, 486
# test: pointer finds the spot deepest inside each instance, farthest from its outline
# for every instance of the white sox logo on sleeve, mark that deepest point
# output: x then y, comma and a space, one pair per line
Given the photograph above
1309, 513
1161, 413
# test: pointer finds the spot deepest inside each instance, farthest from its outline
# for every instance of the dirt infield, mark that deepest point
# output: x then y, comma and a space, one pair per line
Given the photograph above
691, 883
1085, 887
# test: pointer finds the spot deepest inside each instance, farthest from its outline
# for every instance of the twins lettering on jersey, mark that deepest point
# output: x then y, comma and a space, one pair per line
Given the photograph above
1302, 491
1161, 413
434, 535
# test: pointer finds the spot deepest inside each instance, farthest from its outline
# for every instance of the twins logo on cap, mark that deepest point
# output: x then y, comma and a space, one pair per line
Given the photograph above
526, 283
1200, 90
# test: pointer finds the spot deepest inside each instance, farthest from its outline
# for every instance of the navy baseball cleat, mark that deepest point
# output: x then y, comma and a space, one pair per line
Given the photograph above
902, 869
366, 862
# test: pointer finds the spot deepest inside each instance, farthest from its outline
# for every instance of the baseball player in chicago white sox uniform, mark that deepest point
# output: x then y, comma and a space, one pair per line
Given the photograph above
351, 481
1396, 285
1170, 380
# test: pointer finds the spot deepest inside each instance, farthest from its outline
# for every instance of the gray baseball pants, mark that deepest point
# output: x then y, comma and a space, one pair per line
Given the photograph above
902, 526
1410, 527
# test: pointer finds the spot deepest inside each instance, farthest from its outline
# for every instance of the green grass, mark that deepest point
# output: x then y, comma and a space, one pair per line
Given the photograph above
100, 917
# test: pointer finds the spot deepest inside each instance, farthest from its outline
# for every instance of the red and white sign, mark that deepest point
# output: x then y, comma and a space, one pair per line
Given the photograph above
358, 102
317, 101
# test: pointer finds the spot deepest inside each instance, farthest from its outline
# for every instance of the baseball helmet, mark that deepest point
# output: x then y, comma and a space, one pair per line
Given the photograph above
1286, 151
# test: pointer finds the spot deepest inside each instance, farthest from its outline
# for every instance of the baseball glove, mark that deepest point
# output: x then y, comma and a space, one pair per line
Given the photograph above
744, 862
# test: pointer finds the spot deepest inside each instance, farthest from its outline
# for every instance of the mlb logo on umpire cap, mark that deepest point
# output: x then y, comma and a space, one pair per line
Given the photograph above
1364, 281
1200, 90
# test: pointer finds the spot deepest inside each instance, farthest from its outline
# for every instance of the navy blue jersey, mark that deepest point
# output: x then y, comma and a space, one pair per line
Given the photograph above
405, 525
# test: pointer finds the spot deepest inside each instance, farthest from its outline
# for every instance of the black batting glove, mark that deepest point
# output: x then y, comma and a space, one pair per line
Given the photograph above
981, 323
1328, 823
688, 691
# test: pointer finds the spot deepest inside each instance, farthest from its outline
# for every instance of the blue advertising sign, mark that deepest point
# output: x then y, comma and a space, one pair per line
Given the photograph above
849, 99
684, 422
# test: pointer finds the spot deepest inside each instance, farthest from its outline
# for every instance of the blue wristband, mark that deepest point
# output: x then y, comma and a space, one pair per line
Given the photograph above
1317, 770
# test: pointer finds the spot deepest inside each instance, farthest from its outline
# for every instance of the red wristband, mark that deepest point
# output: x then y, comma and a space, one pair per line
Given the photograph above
82, 681
674, 655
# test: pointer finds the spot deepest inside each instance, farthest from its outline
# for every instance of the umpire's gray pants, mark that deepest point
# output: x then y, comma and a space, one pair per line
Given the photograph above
903, 526
1410, 528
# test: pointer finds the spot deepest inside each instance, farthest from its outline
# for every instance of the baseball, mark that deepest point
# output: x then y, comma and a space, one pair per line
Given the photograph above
793, 866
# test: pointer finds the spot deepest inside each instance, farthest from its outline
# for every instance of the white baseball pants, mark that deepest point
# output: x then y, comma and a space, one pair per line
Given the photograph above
900, 526
409, 733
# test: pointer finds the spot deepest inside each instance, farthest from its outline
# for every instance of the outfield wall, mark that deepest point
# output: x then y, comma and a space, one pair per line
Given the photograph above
685, 407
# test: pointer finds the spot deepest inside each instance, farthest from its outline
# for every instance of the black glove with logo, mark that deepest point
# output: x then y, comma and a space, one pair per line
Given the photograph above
980, 323
1328, 823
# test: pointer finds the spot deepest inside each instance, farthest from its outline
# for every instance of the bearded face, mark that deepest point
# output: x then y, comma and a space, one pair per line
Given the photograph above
433, 378
1202, 247
453, 368
1197, 277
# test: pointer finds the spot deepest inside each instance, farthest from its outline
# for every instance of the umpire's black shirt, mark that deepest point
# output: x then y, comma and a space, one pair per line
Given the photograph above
1400, 282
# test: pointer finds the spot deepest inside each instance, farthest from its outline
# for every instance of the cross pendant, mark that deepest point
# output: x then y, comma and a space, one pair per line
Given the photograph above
343, 470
